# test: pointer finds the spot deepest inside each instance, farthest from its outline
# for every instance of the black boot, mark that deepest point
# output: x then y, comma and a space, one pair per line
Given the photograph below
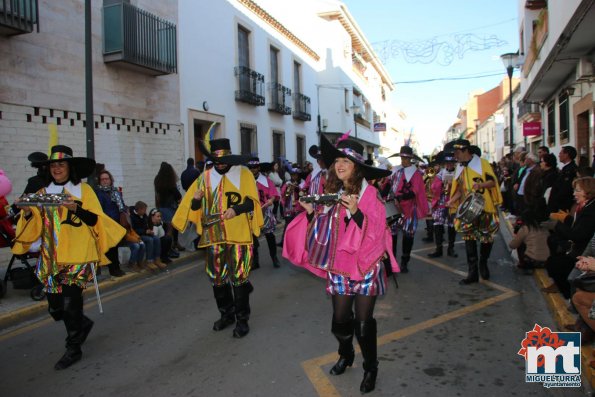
56, 306
365, 332
272, 248
407, 246
242, 310
430, 231
73, 321
472, 276
344, 334
484, 253
224, 300
255, 256
452, 235
439, 234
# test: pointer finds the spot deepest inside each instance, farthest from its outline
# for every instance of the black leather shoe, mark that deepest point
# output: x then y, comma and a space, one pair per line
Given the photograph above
241, 329
469, 280
451, 252
71, 356
436, 254
342, 364
223, 323
276, 263
369, 382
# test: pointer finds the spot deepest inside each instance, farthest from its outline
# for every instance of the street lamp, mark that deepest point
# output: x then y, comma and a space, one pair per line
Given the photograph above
510, 61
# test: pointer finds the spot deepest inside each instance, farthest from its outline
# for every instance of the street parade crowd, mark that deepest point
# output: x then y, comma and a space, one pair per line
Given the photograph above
344, 217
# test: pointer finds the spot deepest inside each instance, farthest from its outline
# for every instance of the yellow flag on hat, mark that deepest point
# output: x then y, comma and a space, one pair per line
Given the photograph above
53, 139
208, 137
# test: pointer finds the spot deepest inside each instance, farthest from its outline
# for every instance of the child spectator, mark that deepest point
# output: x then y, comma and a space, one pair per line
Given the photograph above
530, 242
140, 224
158, 231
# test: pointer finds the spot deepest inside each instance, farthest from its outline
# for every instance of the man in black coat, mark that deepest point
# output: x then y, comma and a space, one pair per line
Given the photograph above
189, 175
561, 197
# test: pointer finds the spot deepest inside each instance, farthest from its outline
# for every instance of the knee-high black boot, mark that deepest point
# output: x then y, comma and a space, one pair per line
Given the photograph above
224, 299
77, 325
365, 332
242, 309
430, 231
472, 276
272, 248
56, 306
452, 235
344, 334
439, 238
407, 246
484, 253
255, 256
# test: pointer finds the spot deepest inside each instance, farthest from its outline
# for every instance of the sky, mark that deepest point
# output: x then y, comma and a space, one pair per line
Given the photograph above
433, 32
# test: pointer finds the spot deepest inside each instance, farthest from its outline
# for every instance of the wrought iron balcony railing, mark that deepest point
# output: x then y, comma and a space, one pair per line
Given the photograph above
251, 86
528, 109
18, 16
301, 107
280, 99
140, 39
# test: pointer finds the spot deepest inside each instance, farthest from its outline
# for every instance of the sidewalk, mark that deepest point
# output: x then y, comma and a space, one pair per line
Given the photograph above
557, 304
18, 306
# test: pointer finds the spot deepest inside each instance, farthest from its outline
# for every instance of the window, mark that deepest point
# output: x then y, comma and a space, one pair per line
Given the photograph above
274, 65
300, 143
296, 77
248, 141
278, 144
346, 96
551, 124
564, 116
244, 57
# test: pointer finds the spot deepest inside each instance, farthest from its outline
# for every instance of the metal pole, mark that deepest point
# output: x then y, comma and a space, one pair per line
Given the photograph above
90, 124
509, 71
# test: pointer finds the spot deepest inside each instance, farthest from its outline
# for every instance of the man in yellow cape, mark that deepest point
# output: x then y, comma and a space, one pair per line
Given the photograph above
223, 203
475, 175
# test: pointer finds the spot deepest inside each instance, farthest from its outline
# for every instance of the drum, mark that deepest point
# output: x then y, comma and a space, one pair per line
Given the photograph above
471, 208
392, 213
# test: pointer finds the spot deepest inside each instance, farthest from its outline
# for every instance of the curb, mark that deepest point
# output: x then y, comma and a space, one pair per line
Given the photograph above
558, 307
35, 309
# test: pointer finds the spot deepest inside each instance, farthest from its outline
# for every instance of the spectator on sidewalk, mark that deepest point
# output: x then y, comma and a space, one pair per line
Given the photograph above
549, 169
113, 205
561, 193
529, 242
159, 232
571, 236
167, 198
140, 224
189, 175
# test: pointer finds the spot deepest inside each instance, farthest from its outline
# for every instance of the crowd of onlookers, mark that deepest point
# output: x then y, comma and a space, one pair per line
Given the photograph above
551, 204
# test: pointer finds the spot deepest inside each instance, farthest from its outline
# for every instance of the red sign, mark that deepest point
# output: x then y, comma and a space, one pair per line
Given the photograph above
532, 128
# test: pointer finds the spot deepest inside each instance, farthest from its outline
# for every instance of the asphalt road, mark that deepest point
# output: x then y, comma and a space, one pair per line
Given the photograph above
155, 338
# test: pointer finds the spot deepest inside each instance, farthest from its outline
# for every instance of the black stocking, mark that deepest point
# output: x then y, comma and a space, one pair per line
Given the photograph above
342, 307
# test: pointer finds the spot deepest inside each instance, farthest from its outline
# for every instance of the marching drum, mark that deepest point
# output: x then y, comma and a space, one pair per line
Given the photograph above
471, 208
392, 212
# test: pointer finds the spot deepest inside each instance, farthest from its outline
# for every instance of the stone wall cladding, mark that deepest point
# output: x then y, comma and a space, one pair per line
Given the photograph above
131, 149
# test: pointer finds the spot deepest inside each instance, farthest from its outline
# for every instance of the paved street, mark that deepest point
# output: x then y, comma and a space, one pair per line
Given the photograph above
155, 338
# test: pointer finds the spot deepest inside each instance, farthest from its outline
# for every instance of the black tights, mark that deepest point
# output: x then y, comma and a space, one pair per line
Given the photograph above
343, 304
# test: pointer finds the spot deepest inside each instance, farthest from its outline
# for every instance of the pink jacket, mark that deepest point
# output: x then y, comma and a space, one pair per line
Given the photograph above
356, 251
420, 200
436, 187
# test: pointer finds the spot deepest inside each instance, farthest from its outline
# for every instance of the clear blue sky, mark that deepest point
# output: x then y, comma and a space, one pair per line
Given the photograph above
432, 107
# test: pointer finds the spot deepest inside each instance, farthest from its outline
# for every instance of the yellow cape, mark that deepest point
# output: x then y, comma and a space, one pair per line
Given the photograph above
76, 245
492, 196
238, 230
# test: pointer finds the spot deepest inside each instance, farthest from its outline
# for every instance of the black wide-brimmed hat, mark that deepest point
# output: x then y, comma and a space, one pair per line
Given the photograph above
314, 151
352, 150
37, 159
406, 151
254, 162
460, 144
82, 166
221, 152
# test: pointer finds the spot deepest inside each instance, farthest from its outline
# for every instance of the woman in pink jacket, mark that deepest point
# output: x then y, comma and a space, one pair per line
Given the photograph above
345, 243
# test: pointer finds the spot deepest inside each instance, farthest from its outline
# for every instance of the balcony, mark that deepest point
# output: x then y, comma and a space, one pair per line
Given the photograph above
540, 31
302, 107
528, 111
535, 4
251, 85
280, 99
18, 17
359, 118
138, 40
